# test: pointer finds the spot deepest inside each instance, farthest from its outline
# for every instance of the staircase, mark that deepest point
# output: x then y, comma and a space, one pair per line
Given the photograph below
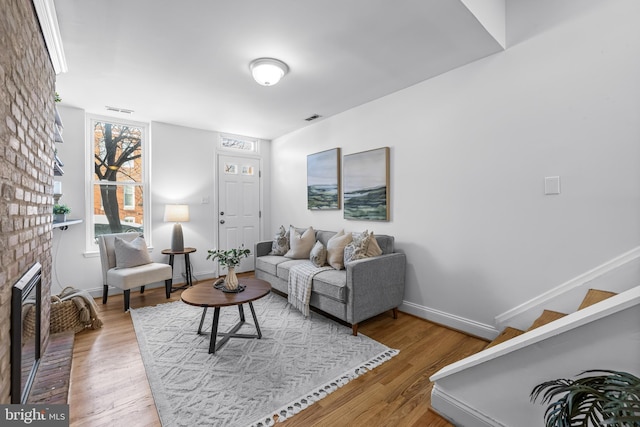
593, 296
492, 387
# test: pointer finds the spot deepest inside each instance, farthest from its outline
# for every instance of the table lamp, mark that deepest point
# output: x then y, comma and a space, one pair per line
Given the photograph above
177, 214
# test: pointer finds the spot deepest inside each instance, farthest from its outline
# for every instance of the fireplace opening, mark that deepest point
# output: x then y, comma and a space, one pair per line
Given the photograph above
26, 316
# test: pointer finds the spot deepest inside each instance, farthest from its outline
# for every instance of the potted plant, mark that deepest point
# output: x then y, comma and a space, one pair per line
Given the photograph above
229, 258
60, 213
609, 399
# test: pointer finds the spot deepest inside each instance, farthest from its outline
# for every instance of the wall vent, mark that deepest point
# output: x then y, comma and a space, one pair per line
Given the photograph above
119, 110
313, 117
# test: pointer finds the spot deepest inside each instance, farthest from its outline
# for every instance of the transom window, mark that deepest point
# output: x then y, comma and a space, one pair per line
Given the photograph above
240, 143
118, 183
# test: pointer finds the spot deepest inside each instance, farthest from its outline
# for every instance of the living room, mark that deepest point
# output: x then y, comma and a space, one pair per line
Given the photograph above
470, 151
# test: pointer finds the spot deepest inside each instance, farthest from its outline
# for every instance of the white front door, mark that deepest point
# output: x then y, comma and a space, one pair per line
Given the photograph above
238, 205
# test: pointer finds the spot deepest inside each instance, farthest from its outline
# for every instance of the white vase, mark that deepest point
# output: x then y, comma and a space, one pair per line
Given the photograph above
231, 281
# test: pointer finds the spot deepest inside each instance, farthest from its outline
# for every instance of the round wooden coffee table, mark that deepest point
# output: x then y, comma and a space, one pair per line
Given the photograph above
205, 295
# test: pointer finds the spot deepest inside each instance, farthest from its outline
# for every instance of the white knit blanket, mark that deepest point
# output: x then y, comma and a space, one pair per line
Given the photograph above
300, 279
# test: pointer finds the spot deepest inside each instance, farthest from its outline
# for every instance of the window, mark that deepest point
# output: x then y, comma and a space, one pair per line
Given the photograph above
118, 182
129, 198
239, 143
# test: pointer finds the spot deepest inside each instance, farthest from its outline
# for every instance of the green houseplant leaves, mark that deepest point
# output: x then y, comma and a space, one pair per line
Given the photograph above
229, 257
610, 398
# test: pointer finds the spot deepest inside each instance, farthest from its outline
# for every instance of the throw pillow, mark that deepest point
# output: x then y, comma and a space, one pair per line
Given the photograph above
318, 254
131, 254
300, 244
335, 249
357, 249
280, 245
374, 248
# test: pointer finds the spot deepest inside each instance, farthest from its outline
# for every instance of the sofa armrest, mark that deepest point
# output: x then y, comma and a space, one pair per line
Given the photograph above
262, 248
375, 285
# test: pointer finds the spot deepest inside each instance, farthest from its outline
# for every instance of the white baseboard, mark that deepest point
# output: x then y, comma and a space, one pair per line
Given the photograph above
458, 412
468, 326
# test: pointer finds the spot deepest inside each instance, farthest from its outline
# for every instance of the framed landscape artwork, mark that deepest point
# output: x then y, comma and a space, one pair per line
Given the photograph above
323, 180
366, 185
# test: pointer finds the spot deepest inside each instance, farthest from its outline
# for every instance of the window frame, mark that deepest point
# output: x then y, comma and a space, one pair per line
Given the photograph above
240, 138
91, 247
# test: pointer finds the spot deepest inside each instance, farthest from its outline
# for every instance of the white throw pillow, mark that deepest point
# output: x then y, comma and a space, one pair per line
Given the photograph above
335, 249
318, 254
131, 254
300, 244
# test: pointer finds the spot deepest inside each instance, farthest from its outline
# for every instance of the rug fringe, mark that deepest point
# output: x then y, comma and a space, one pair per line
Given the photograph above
321, 392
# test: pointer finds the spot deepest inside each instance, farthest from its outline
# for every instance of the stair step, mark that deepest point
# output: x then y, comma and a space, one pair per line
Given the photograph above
547, 316
505, 335
594, 296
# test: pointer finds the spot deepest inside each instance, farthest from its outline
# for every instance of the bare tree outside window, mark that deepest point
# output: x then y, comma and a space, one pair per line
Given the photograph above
118, 176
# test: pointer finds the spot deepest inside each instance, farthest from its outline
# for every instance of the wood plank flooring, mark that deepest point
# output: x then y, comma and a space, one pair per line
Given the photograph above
109, 386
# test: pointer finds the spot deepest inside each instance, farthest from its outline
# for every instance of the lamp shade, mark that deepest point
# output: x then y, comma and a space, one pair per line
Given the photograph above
268, 71
176, 213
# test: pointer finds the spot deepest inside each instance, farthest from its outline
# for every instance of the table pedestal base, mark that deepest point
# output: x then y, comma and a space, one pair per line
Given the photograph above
214, 344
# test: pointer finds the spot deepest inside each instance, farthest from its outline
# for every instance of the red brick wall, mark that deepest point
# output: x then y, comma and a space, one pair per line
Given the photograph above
26, 163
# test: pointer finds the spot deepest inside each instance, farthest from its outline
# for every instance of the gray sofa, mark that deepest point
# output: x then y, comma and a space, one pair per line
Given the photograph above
365, 288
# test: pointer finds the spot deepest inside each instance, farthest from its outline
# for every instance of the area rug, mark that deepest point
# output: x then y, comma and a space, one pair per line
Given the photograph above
248, 382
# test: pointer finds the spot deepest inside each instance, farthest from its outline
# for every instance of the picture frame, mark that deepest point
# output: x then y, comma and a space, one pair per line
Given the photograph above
323, 180
366, 186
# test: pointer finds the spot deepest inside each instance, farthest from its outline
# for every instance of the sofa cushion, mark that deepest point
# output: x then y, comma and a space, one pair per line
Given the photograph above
331, 283
283, 267
300, 244
385, 243
269, 263
280, 245
318, 255
324, 236
335, 249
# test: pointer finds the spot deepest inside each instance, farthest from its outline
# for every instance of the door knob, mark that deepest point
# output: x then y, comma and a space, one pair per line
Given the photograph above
221, 213
222, 221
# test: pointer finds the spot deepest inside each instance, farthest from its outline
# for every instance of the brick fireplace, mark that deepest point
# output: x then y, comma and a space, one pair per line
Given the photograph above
26, 170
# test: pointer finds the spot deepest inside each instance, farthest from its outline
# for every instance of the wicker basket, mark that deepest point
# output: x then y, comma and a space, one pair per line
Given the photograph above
64, 316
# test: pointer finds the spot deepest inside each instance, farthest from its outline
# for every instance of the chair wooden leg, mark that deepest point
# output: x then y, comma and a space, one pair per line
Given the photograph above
167, 288
395, 312
354, 327
105, 293
127, 294
142, 289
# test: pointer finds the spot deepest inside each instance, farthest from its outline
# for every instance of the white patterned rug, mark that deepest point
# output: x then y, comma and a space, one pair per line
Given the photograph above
248, 381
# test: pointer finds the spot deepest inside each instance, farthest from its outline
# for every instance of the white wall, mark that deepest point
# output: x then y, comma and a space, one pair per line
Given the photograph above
183, 170
469, 153
512, 377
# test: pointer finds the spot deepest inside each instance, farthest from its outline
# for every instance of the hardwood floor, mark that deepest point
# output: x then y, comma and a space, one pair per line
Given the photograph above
109, 385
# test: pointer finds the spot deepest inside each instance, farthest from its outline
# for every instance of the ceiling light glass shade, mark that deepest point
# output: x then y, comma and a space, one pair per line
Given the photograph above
268, 71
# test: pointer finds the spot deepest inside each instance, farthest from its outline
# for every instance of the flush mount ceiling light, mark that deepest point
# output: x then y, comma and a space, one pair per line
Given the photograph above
268, 71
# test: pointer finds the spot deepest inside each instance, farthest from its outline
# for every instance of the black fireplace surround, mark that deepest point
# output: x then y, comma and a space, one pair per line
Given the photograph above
26, 316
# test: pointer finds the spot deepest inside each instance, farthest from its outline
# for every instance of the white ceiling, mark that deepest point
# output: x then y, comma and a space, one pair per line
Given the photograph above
187, 62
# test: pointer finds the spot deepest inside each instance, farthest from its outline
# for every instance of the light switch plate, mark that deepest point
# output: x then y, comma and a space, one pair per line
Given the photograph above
552, 185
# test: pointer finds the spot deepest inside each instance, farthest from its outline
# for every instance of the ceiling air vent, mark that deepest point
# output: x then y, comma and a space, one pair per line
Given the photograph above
119, 110
313, 117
